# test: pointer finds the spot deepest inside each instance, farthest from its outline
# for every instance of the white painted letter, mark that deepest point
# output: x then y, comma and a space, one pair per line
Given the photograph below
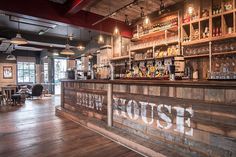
144, 112
133, 104
164, 117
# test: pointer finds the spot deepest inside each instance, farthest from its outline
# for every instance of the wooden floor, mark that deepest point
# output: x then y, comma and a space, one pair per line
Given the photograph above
33, 130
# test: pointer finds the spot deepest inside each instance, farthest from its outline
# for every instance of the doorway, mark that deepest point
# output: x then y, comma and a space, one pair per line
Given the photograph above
60, 67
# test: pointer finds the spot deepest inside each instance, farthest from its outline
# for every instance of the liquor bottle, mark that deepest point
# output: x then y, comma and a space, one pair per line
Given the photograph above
217, 31
220, 32
214, 32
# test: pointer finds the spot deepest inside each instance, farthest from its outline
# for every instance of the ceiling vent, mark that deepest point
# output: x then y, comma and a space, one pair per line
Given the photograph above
58, 1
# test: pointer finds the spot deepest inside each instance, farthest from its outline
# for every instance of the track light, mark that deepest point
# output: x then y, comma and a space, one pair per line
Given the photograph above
142, 13
127, 20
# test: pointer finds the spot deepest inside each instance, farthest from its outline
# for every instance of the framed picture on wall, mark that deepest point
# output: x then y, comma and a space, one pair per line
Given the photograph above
7, 72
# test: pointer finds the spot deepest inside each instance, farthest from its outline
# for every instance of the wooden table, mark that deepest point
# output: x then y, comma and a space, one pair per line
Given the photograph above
7, 93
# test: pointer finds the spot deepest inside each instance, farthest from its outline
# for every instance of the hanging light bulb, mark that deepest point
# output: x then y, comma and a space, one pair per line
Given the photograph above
18, 40
146, 22
80, 47
116, 31
100, 39
190, 10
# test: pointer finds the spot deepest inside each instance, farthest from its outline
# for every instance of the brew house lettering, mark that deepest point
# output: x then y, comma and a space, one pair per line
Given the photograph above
130, 109
89, 100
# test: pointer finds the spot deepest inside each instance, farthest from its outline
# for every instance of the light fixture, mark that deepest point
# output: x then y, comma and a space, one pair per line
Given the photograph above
18, 40
116, 31
127, 20
90, 56
55, 54
142, 15
80, 46
162, 7
100, 37
10, 57
146, 22
42, 32
190, 10
67, 50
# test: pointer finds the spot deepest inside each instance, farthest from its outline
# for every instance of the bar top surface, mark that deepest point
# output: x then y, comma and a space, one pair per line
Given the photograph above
191, 83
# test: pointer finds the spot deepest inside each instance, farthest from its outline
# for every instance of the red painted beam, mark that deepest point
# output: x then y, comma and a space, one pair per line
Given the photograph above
55, 12
76, 5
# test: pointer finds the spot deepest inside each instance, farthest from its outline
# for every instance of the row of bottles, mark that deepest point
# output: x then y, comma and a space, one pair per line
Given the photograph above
150, 69
141, 30
223, 68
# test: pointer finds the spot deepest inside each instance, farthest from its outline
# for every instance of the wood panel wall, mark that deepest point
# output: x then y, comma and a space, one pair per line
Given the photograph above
193, 121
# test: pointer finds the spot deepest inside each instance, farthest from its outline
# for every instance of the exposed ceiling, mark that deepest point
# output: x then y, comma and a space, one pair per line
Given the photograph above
6, 25
104, 7
58, 33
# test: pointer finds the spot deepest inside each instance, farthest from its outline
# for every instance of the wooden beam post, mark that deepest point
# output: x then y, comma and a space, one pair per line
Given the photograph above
109, 105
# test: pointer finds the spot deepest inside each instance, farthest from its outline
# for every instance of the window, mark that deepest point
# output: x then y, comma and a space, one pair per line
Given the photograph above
26, 72
45, 74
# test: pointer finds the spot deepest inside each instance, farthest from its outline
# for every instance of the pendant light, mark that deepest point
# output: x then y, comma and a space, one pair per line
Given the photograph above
90, 56
67, 50
80, 47
18, 40
146, 22
100, 37
116, 30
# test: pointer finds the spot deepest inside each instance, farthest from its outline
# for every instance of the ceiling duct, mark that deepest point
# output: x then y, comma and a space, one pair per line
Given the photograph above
58, 1
32, 22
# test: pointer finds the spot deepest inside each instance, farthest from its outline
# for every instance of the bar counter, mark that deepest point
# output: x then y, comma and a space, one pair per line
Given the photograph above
190, 118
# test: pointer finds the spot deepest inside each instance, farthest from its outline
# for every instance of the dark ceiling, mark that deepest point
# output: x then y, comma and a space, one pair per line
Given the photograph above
77, 18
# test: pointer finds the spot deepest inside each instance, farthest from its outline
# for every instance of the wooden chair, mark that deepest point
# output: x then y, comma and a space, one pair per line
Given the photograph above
1, 99
9, 93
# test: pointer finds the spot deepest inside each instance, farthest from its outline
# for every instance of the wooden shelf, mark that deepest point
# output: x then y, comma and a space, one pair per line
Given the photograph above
197, 56
200, 41
204, 18
223, 53
218, 38
149, 59
142, 48
142, 60
161, 44
213, 54
212, 21
120, 58
165, 57
156, 33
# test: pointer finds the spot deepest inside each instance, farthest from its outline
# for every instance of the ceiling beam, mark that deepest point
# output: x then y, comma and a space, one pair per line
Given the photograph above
53, 12
76, 5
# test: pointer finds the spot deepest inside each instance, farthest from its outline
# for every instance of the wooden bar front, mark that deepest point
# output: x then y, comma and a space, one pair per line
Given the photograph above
192, 118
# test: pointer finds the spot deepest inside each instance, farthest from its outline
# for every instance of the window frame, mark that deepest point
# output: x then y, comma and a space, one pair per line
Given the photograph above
28, 69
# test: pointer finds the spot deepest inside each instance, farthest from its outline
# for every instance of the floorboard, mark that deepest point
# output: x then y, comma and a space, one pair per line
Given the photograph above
33, 130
